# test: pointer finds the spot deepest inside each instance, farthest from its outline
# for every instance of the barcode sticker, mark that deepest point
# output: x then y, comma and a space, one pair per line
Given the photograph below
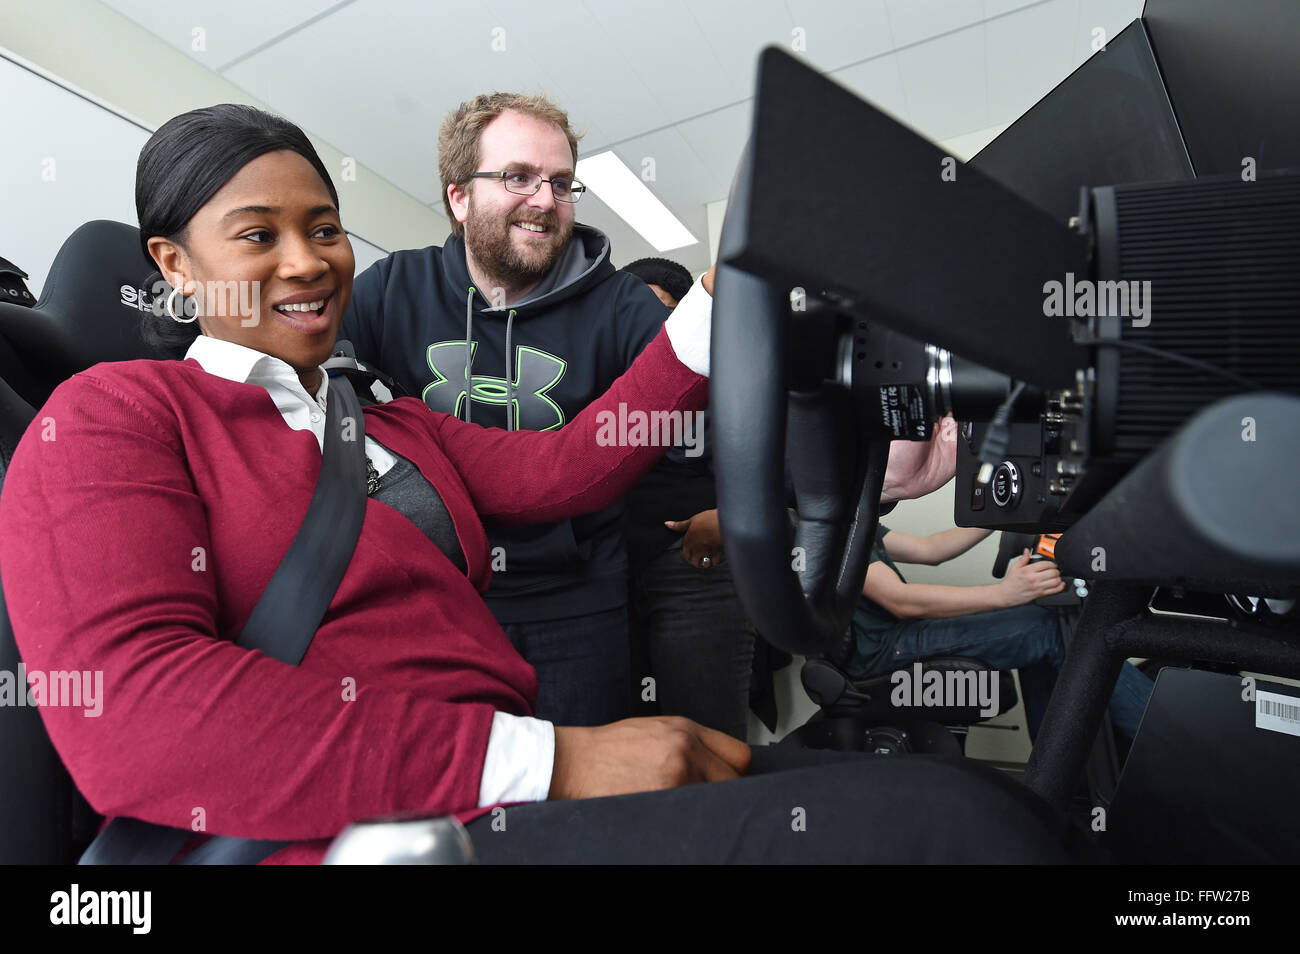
1277, 713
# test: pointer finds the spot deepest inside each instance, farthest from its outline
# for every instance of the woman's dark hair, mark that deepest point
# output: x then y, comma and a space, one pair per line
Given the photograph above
183, 165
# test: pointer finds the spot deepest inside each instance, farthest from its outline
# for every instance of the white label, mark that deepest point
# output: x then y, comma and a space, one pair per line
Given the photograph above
1277, 713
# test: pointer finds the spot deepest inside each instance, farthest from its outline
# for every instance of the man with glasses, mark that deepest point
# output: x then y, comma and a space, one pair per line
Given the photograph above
520, 321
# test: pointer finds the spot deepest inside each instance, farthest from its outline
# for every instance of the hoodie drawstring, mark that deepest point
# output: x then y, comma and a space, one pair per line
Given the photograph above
469, 352
511, 423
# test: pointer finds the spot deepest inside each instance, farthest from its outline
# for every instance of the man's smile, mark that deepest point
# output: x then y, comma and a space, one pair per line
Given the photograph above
538, 229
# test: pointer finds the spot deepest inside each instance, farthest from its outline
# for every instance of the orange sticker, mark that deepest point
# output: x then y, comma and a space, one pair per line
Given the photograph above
1047, 545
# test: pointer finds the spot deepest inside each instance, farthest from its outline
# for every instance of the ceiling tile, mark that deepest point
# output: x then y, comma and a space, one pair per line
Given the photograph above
230, 27
736, 33
385, 107
996, 8
717, 140
1029, 53
945, 84
1112, 16
656, 49
879, 82
912, 21
966, 146
671, 169
842, 32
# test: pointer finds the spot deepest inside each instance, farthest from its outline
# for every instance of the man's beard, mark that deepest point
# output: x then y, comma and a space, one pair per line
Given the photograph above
489, 239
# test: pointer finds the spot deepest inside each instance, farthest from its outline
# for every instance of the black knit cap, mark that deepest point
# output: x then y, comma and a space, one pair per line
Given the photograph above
667, 274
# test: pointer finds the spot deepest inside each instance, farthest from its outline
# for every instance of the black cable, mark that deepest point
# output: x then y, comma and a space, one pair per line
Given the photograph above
1174, 356
998, 436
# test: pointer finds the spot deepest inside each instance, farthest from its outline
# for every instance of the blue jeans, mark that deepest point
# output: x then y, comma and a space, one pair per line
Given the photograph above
697, 640
1027, 638
582, 663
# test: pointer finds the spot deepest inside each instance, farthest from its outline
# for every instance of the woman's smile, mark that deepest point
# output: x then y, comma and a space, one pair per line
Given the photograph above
273, 227
310, 312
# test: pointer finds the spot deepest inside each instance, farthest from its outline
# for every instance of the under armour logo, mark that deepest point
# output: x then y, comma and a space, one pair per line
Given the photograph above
536, 372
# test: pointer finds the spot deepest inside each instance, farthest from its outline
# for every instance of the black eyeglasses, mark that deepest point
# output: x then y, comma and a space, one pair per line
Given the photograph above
527, 183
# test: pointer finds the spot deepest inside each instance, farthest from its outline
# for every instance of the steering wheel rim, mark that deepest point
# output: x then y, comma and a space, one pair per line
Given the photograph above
802, 598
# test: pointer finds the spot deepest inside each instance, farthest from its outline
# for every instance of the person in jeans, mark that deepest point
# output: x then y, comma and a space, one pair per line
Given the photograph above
690, 634
897, 623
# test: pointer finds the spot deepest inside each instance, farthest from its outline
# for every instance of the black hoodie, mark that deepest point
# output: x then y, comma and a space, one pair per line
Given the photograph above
411, 315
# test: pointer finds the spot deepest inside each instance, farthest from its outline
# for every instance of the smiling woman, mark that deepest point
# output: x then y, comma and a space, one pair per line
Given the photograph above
234, 200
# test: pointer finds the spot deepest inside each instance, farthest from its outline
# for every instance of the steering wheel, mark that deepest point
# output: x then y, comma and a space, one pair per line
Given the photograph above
801, 598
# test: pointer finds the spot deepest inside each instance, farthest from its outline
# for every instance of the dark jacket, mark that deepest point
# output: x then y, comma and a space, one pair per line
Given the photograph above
412, 314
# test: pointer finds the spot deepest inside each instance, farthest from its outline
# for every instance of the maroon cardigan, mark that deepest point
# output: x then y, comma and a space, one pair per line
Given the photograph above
144, 513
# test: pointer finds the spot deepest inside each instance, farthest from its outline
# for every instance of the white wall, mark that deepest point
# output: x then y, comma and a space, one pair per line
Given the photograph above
71, 161
930, 515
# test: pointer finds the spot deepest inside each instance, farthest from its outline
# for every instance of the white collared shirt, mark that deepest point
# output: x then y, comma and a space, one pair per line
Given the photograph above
301, 412
521, 750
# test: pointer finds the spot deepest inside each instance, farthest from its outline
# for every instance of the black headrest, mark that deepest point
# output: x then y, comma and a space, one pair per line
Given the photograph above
89, 310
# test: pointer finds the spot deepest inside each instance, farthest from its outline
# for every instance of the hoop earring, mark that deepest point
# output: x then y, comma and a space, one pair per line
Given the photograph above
172, 311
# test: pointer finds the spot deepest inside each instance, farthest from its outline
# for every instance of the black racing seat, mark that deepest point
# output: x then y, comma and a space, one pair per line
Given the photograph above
89, 311
85, 315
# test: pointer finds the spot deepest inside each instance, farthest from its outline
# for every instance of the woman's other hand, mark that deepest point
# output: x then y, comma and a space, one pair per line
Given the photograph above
703, 538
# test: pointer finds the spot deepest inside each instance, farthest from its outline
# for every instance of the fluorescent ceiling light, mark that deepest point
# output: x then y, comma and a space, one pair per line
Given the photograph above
607, 176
